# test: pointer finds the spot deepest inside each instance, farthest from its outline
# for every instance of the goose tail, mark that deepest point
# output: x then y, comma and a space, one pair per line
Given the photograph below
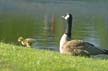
105, 51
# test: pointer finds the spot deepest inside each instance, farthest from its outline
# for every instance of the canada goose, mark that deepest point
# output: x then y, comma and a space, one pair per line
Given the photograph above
26, 42
76, 47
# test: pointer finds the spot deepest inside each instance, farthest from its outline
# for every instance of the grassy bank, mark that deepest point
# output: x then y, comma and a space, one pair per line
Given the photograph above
15, 58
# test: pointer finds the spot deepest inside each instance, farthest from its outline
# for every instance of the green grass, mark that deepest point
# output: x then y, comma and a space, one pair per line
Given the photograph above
17, 58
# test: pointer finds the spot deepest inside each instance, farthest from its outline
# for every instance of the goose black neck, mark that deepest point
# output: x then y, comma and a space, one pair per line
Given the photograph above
69, 27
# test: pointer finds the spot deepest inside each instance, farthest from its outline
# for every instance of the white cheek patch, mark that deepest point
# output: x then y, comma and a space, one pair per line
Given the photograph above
66, 17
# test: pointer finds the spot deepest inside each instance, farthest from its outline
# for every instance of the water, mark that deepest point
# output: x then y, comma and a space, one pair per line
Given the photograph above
31, 18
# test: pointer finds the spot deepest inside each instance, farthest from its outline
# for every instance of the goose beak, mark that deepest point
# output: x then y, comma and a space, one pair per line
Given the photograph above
63, 17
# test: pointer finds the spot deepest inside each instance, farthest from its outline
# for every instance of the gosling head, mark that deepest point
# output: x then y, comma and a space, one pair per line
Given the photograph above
20, 39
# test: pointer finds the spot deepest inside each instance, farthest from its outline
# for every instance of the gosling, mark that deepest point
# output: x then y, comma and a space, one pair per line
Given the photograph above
27, 42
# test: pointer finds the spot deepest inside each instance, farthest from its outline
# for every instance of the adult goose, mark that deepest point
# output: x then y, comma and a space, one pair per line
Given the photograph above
74, 46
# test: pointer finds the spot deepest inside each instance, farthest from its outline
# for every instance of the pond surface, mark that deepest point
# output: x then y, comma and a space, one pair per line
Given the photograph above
41, 19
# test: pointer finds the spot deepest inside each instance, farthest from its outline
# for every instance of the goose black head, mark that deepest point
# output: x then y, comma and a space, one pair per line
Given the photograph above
67, 17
